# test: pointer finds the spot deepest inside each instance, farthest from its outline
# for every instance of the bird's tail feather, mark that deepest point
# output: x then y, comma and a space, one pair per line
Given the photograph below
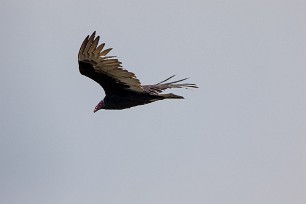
161, 86
174, 84
171, 95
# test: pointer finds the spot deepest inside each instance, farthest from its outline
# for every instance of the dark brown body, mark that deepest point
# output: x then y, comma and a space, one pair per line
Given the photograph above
129, 100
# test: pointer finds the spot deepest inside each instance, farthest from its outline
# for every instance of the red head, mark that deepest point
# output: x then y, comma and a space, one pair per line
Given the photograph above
100, 105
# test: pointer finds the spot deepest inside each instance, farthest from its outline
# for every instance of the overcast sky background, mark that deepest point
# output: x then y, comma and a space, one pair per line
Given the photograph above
238, 139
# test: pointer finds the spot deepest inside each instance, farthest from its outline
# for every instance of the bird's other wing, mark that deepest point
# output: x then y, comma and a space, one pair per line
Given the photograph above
161, 86
105, 70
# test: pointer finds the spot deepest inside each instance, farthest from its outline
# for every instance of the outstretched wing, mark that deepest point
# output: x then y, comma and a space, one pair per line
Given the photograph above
105, 70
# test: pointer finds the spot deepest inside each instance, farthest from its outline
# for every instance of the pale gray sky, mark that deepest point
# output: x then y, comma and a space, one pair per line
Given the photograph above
238, 139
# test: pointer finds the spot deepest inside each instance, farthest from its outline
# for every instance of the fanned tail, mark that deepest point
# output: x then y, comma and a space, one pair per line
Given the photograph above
161, 86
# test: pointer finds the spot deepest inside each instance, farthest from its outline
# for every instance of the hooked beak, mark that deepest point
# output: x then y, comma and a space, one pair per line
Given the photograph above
99, 106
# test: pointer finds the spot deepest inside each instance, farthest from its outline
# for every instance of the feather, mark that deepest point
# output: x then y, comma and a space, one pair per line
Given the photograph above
98, 50
83, 45
103, 53
94, 45
90, 40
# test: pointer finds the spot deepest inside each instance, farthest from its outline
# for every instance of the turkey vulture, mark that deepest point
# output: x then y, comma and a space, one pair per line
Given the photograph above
122, 88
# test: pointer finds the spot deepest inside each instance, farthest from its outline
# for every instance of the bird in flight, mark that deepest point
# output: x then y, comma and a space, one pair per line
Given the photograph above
122, 88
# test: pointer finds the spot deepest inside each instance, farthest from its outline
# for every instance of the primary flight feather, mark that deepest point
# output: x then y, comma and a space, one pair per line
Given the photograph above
122, 88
